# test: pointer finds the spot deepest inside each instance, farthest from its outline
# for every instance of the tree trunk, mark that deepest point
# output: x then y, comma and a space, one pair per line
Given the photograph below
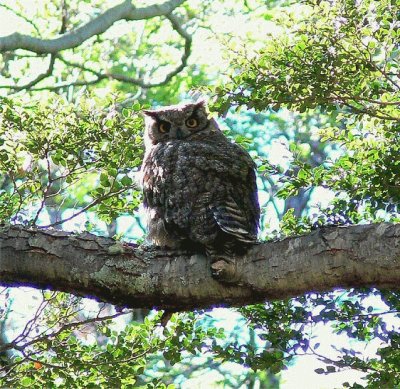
127, 275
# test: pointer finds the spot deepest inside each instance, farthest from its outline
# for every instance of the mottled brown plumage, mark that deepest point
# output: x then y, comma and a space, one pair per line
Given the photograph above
199, 188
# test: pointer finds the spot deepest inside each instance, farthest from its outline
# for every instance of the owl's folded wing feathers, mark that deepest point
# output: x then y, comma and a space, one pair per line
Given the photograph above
230, 219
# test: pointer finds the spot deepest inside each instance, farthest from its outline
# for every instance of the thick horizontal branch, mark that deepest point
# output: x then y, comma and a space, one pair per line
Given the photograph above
124, 11
91, 266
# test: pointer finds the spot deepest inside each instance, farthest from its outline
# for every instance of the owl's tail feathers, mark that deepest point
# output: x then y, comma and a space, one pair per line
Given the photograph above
230, 219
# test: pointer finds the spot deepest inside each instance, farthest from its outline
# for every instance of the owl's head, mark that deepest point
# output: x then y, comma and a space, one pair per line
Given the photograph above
176, 122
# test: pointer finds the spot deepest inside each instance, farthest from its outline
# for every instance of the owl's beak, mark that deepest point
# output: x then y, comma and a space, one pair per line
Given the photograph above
179, 133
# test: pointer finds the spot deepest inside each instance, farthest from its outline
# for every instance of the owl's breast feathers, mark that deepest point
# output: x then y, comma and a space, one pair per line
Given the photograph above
203, 188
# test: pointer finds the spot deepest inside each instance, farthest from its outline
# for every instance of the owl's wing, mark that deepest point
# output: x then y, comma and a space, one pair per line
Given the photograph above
235, 205
231, 220
231, 184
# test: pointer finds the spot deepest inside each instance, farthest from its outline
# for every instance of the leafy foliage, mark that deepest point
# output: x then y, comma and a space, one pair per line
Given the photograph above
341, 58
76, 156
331, 54
64, 354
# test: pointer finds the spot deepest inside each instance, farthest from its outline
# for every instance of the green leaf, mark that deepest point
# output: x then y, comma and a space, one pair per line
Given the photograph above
26, 381
126, 181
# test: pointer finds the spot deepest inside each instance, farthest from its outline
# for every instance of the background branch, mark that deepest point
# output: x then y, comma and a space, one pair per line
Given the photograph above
120, 11
124, 11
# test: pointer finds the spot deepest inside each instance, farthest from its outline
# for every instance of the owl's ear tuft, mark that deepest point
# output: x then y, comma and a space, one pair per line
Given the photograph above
150, 113
201, 104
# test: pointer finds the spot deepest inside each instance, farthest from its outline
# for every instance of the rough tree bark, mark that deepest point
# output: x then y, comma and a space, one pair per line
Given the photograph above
127, 275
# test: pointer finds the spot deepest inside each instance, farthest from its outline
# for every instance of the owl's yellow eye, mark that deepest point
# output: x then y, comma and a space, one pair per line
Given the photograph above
191, 123
164, 127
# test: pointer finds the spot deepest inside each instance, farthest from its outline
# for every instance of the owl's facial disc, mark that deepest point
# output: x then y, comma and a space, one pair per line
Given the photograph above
175, 122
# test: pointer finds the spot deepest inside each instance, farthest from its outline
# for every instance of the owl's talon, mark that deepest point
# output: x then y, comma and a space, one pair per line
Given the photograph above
224, 271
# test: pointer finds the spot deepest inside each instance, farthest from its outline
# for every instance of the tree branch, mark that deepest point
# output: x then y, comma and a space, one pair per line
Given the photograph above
123, 11
138, 81
87, 265
37, 79
23, 17
102, 75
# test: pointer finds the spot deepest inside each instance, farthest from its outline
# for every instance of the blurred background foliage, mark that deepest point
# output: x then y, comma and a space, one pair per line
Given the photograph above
310, 89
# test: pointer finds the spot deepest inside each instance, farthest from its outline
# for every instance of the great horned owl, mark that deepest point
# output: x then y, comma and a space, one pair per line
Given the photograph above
199, 188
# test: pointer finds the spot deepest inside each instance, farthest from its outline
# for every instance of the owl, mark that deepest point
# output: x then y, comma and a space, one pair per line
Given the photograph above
199, 188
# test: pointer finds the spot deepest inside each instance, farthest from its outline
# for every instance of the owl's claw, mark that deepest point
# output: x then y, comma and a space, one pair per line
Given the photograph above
225, 271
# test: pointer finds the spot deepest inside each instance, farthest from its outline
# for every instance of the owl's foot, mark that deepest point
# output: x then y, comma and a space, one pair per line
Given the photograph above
225, 270
223, 265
